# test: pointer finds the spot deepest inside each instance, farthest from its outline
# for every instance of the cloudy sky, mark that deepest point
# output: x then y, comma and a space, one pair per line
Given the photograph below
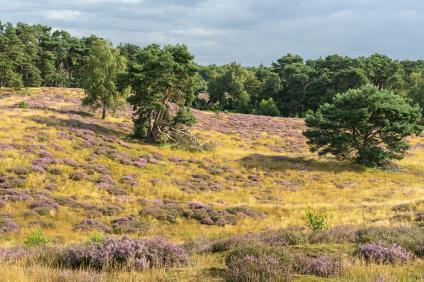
246, 31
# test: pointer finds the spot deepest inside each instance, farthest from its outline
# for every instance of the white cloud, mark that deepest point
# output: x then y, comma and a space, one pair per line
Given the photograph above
62, 15
247, 31
196, 32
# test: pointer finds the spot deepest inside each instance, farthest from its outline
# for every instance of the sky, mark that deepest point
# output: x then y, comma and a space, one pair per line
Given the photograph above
250, 32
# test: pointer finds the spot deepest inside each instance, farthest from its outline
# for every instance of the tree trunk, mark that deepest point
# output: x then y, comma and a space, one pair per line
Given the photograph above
104, 112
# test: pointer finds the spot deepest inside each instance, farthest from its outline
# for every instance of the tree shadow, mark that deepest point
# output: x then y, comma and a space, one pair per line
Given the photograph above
75, 124
267, 162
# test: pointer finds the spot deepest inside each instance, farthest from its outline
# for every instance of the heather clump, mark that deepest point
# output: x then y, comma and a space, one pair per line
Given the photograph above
78, 176
44, 207
321, 265
91, 225
274, 238
204, 214
129, 224
411, 238
258, 263
125, 254
379, 253
7, 224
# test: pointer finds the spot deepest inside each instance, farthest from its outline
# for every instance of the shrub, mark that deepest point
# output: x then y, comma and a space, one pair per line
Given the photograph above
410, 238
322, 265
315, 221
378, 253
258, 263
23, 105
125, 254
96, 238
36, 238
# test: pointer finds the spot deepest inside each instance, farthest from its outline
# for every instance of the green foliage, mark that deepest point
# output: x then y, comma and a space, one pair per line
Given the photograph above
36, 238
268, 108
184, 117
96, 238
315, 221
161, 78
33, 55
367, 125
23, 105
37, 55
100, 74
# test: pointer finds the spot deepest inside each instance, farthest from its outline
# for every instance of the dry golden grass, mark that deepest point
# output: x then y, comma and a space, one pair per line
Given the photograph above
345, 193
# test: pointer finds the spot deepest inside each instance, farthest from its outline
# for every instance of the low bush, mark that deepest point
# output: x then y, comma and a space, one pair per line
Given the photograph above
36, 239
124, 254
258, 263
322, 265
315, 221
411, 238
379, 253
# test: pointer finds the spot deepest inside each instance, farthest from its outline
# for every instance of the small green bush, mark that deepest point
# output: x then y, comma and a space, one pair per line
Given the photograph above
96, 238
23, 105
36, 238
315, 221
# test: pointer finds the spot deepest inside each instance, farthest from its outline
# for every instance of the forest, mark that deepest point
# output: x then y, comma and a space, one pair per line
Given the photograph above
38, 55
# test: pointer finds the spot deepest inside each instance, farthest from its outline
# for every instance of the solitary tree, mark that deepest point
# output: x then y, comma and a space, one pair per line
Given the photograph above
100, 73
367, 125
162, 81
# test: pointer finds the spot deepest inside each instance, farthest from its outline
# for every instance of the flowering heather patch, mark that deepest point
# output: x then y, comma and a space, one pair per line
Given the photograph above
11, 181
130, 179
125, 254
258, 263
379, 253
277, 238
78, 176
45, 162
321, 265
20, 170
410, 238
204, 214
44, 207
14, 195
90, 225
45, 154
13, 255
7, 224
129, 224
71, 163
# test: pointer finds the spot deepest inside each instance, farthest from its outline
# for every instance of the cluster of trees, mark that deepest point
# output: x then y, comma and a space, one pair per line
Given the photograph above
356, 108
35, 55
292, 86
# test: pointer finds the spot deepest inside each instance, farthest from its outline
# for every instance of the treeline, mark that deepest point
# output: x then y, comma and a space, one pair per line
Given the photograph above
37, 55
292, 86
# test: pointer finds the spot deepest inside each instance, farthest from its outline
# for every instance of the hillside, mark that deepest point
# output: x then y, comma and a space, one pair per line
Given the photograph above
70, 173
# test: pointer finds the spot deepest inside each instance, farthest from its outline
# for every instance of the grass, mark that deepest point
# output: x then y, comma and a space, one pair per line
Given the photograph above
289, 181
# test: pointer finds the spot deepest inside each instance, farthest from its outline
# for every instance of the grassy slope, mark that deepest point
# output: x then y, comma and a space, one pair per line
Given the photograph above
276, 174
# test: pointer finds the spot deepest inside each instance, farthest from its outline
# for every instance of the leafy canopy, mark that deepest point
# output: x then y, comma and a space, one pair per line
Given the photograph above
101, 70
162, 80
366, 125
